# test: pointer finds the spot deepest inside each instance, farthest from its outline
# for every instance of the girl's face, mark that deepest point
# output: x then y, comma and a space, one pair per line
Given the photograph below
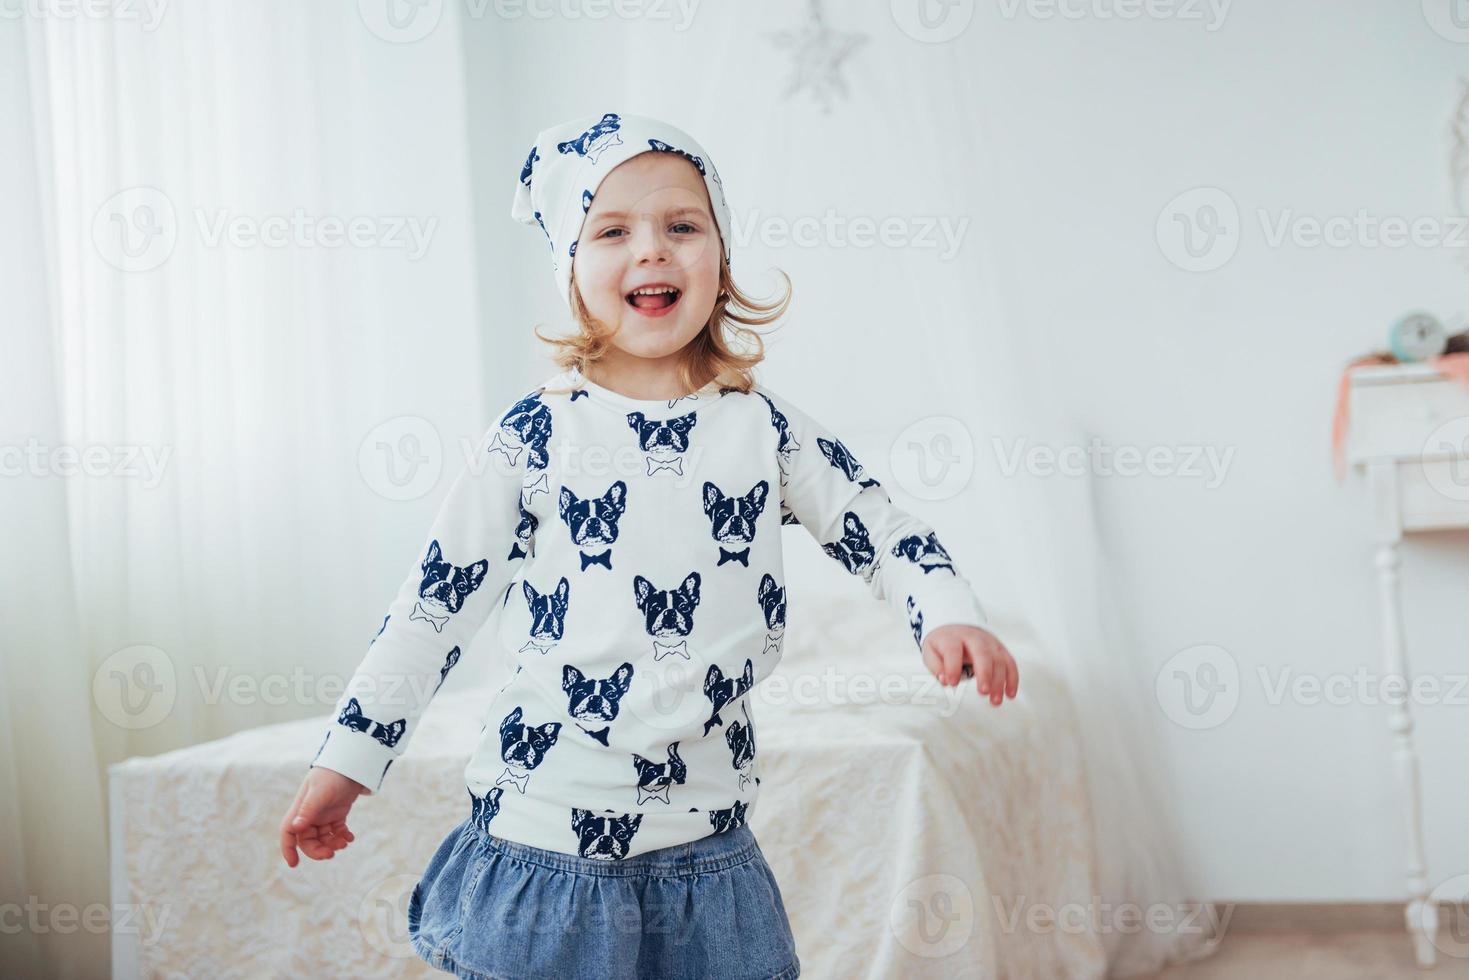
650, 225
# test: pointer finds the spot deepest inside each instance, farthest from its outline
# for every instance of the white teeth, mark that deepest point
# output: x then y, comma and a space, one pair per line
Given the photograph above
653, 291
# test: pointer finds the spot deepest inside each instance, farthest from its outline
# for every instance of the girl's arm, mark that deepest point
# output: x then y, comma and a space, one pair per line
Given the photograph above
456, 579
851, 516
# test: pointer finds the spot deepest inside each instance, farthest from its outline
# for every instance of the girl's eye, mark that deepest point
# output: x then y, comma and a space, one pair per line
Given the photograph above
690, 230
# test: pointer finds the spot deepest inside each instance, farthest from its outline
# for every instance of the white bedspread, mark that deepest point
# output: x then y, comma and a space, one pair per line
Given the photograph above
916, 832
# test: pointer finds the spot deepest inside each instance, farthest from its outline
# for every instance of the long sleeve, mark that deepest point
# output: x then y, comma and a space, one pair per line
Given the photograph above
475, 545
849, 513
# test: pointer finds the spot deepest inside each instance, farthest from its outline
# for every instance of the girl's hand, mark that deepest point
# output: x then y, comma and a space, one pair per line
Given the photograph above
317, 821
956, 649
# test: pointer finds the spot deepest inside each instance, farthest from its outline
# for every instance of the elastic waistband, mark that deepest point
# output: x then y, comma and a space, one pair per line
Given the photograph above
714, 852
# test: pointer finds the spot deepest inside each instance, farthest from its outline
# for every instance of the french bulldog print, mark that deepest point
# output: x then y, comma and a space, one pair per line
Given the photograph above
655, 778
663, 147
547, 615
482, 809
530, 165
663, 442
772, 599
353, 718
593, 522
445, 586
925, 552
668, 613
526, 426
842, 458
449, 662
854, 549
730, 818
525, 533
915, 622
603, 838
524, 747
595, 700
786, 443
741, 741
712, 172
593, 142
732, 519
721, 690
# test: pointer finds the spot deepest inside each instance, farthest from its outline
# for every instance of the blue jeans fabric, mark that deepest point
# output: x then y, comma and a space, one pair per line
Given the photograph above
491, 909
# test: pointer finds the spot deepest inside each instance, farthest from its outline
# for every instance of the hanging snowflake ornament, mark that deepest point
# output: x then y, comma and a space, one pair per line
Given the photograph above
818, 51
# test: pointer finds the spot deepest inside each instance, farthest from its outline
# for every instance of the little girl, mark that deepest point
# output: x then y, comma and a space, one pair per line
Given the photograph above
625, 516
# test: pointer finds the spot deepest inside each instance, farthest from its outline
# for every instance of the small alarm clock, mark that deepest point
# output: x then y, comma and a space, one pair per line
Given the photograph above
1418, 337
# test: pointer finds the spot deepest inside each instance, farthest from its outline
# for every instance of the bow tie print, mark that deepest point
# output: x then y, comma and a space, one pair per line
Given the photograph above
772, 642
600, 734
531, 644
605, 559
661, 650
520, 779
743, 557
655, 464
645, 794
600, 146
528, 490
500, 444
437, 622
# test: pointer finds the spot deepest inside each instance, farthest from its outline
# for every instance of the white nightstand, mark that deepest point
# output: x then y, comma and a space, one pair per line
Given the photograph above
1409, 429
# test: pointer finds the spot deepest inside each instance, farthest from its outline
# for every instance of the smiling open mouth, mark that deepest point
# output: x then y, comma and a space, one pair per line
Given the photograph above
654, 299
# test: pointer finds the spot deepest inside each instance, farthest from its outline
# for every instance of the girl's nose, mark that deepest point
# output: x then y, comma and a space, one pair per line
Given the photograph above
650, 245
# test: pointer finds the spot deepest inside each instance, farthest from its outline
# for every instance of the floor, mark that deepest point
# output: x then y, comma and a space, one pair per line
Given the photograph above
1364, 955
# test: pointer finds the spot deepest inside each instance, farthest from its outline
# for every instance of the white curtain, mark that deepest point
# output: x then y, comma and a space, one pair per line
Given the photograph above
241, 280
1032, 537
276, 422
50, 778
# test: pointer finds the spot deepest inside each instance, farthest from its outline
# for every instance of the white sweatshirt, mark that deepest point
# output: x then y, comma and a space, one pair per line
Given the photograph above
636, 548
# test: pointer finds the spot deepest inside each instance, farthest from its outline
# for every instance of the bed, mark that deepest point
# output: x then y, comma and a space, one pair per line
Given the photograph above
916, 830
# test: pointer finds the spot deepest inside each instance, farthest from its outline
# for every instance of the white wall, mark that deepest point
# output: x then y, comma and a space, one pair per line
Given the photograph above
1092, 124
1323, 112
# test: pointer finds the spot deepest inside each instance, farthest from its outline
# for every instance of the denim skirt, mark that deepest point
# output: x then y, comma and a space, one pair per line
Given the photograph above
492, 909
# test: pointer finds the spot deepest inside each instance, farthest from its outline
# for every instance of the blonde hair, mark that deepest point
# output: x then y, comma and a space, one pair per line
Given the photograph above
709, 357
